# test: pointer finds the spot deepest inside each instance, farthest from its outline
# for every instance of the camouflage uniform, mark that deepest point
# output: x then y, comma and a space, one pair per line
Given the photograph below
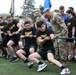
40, 18
28, 19
59, 28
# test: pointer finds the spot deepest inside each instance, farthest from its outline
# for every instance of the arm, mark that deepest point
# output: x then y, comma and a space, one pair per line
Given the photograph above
20, 28
74, 27
23, 36
9, 33
52, 36
40, 40
73, 31
61, 23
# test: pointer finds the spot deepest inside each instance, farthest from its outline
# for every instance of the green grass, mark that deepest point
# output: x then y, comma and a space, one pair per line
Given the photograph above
19, 68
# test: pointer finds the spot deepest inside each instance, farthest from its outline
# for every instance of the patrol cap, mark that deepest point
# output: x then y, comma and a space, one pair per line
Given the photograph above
24, 13
45, 10
38, 11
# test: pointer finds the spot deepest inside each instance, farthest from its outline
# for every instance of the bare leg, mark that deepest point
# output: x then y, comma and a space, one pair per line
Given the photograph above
50, 57
10, 48
21, 54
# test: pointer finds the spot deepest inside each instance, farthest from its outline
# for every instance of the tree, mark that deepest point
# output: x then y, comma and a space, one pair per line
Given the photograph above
29, 7
4, 15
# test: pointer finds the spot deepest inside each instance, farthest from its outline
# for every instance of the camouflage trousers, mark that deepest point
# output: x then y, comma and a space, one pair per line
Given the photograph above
60, 49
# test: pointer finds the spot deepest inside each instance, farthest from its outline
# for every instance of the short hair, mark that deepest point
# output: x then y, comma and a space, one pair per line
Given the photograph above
39, 23
38, 11
71, 8
8, 16
69, 11
61, 7
27, 22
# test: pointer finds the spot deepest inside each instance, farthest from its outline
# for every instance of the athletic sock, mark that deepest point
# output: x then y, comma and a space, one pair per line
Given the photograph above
62, 67
4, 52
26, 61
40, 63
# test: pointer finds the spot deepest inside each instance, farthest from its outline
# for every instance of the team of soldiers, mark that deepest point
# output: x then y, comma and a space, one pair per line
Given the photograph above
46, 36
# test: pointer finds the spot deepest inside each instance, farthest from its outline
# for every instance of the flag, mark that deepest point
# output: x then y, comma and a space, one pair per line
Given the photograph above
11, 11
47, 4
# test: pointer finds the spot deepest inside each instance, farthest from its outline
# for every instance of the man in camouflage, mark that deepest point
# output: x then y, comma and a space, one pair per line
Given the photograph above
60, 30
39, 16
26, 18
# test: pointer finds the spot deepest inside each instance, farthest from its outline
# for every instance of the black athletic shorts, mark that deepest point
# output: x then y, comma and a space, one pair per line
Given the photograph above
69, 40
26, 49
2, 35
5, 40
69, 36
43, 54
15, 39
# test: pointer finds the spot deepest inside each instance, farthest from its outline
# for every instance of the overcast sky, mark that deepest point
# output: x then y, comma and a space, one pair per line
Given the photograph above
5, 5
57, 3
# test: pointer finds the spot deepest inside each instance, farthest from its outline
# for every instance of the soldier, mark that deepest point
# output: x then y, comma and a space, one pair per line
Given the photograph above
71, 26
39, 16
64, 16
2, 34
30, 46
59, 29
26, 18
13, 30
45, 37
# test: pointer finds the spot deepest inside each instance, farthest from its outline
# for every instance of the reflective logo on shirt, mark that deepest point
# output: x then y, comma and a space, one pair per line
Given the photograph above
1, 27
43, 36
12, 27
30, 32
69, 24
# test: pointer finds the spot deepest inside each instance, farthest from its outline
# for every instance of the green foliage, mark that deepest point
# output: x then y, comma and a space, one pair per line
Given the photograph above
29, 7
4, 15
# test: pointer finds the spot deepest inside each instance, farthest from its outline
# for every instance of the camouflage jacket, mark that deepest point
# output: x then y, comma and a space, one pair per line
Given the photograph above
58, 24
28, 19
40, 18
